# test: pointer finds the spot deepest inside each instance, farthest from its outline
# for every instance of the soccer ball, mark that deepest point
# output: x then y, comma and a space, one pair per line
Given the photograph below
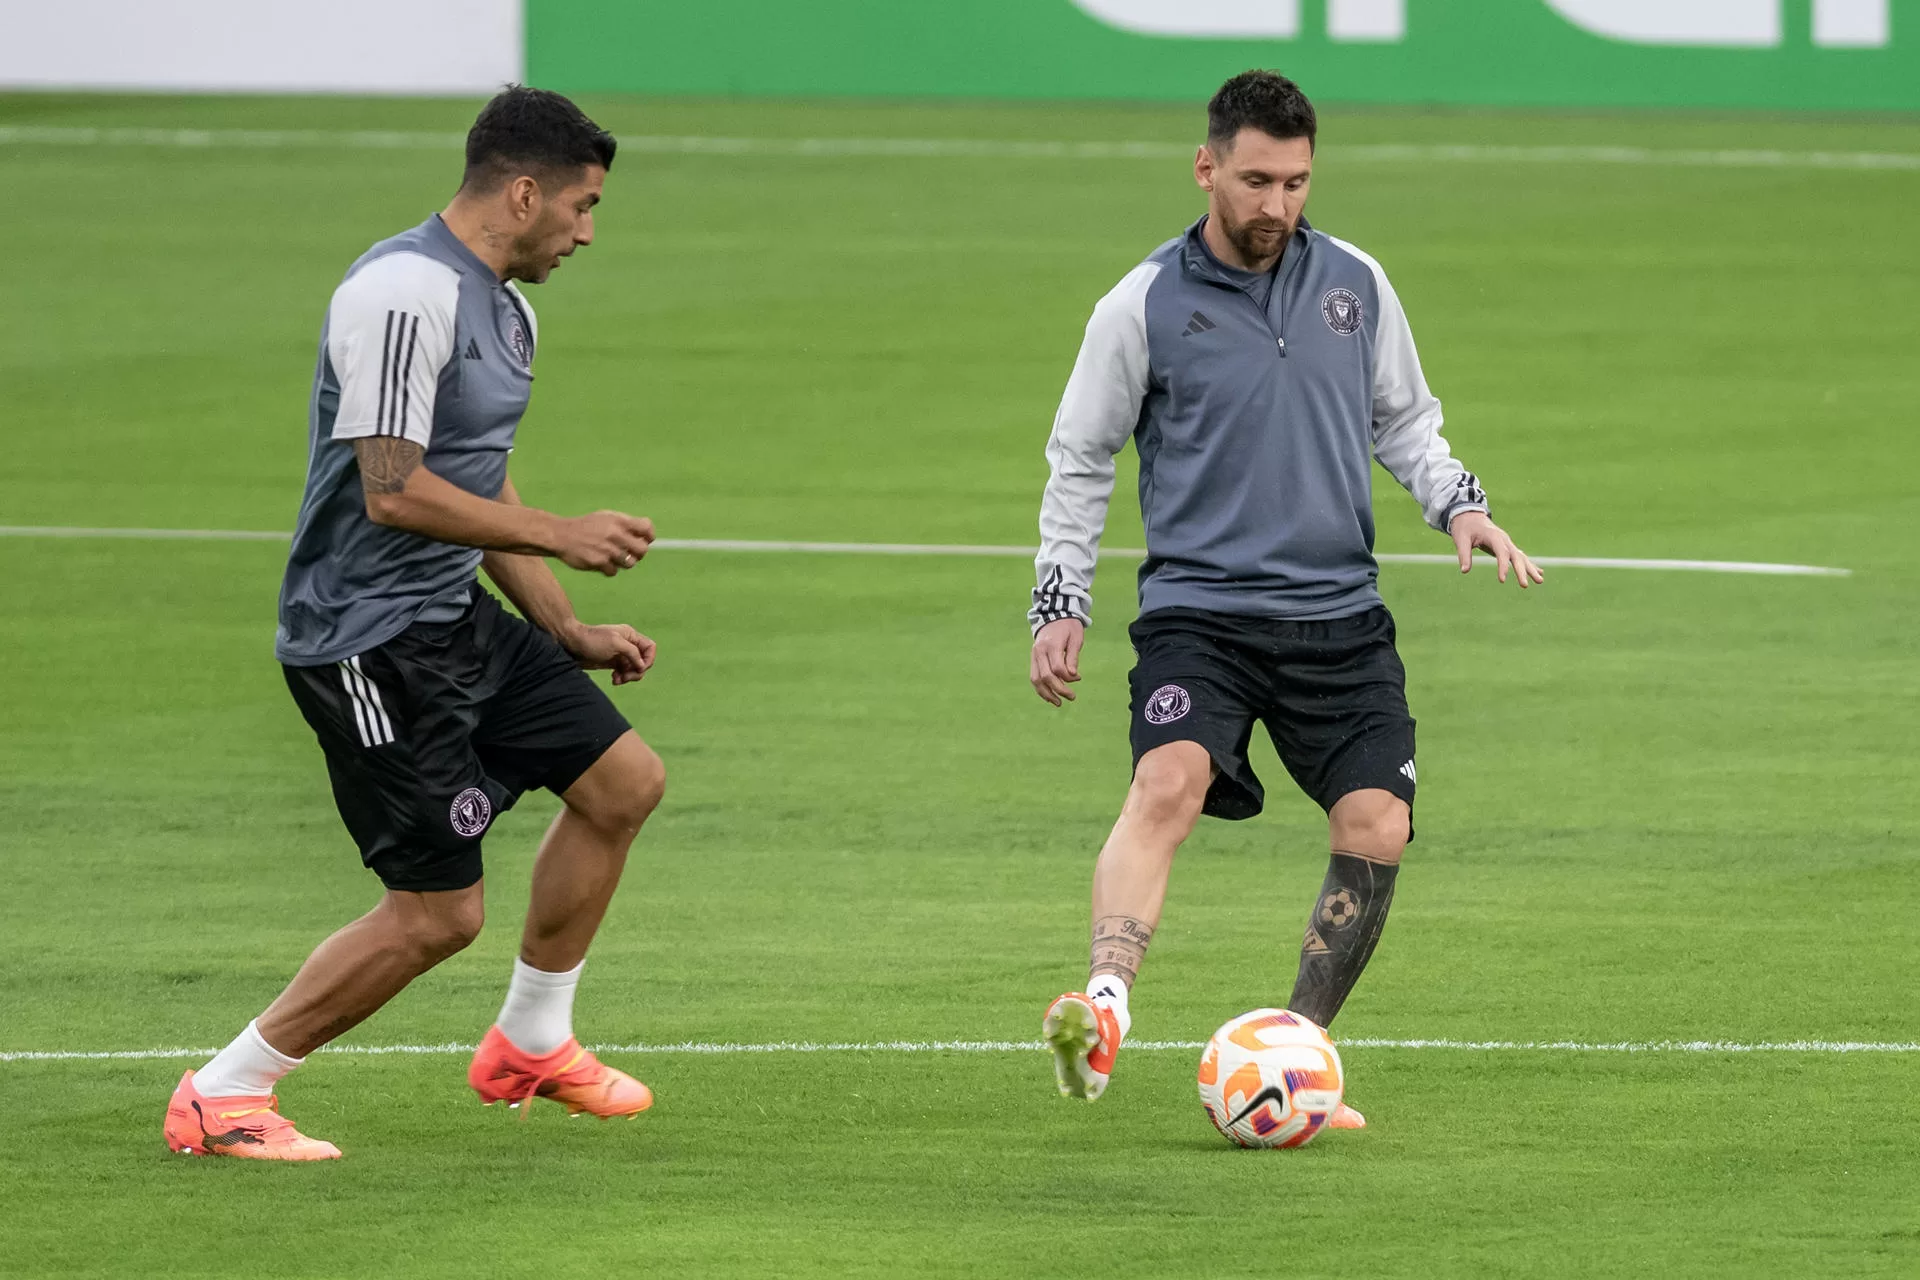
1270, 1079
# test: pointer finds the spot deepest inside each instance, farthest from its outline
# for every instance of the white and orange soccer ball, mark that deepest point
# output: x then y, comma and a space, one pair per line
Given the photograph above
1270, 1079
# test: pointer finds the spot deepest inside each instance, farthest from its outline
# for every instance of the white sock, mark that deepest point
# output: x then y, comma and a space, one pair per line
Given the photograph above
538, 1014
1108, 990
249, 1067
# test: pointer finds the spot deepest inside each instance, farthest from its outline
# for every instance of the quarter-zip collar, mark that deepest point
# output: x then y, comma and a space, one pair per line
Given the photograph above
1200, 262
438, 228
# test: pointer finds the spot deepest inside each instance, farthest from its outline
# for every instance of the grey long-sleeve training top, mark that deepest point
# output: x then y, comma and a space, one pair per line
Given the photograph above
1256, 404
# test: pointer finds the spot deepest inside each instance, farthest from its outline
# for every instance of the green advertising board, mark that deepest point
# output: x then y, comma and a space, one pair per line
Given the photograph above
1780, 54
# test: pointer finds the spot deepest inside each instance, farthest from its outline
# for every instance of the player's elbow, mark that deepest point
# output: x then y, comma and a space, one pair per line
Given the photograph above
390, 510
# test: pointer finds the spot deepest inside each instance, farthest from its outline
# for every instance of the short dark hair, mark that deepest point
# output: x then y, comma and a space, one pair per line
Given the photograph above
531, 131
1267, 101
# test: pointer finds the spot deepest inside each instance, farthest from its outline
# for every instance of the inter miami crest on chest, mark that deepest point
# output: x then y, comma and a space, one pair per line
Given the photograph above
1341, 307
522, 345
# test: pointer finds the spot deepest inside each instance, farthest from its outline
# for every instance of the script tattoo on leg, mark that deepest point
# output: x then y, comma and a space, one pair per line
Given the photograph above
1119, 944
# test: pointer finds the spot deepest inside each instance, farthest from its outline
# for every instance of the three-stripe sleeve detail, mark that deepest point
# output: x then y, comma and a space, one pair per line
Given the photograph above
369, 712
402, 338
1053, 600
1467, 492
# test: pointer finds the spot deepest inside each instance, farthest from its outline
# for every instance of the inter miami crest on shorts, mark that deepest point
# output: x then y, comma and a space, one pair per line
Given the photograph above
1168, 703
470, 812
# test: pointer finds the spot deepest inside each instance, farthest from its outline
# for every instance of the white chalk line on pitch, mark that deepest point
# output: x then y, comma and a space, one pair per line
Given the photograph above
946, 549
966, 148
1025, 1046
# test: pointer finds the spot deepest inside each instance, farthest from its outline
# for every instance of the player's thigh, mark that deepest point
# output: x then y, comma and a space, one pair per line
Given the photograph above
1338, 712
546, 722
1191, 685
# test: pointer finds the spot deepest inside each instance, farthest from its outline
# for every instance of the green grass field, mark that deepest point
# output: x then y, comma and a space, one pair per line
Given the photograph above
1654, 806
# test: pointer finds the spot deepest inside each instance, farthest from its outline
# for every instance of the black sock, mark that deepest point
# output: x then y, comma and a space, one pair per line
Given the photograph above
1345, 925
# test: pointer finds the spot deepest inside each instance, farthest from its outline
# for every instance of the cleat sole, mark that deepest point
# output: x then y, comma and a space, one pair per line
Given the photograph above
1071, 1031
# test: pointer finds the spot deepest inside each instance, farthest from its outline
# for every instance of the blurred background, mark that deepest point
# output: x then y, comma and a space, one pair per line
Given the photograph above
1644, 1005
1796, 54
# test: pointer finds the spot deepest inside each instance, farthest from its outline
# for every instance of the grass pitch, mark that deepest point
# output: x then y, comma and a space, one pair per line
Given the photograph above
1654, 806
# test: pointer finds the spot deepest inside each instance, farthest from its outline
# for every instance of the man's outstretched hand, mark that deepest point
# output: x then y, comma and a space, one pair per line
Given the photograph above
614, 647
1056, 659
1472, 529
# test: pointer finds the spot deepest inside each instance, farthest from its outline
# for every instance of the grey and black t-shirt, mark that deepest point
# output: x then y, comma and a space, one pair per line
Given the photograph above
422, 340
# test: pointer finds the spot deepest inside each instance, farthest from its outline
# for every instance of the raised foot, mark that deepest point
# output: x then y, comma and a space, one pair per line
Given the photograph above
1082, 1037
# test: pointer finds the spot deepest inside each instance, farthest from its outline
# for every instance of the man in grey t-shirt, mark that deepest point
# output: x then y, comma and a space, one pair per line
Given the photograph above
435, 707
1260, 367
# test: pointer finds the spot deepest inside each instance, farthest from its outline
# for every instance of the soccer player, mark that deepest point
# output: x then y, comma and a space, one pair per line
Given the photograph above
1259, 365
435, 707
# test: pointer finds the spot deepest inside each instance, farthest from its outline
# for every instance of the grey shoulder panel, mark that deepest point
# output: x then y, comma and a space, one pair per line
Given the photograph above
1361, 274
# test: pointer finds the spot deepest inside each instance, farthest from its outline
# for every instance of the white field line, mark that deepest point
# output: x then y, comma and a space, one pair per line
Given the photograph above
937, 549
1027, 1046
963, 148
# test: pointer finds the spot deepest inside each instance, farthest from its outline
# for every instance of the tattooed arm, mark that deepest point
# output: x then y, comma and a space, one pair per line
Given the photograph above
390, 333
403, 494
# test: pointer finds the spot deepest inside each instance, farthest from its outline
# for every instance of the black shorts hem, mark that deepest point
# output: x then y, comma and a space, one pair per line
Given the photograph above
570, 770
408, 873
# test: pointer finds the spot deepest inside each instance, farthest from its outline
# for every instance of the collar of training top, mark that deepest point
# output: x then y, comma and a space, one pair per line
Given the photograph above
437, 226
1199, 260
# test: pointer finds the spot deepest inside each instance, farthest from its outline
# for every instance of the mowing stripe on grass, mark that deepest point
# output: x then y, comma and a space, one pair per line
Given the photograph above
1025, 1046
965, 148
944, 549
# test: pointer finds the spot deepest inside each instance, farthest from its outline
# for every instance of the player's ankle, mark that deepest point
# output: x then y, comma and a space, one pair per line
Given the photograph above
537, 1017
249, 1067
1110, 991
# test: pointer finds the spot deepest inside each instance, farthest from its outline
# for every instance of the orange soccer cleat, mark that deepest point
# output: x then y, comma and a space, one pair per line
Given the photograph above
1345, 1117
1084, 1037
247, 1126
569, 1075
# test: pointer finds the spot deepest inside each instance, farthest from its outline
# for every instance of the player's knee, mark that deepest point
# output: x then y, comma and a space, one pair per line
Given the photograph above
447, 928
1374, 824
627, 798
1170, 787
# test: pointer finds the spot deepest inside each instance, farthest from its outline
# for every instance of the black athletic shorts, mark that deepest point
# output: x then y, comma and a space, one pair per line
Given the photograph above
433, 734
1332, 695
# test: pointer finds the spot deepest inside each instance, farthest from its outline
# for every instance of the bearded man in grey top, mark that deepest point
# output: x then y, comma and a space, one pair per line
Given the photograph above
1260, 366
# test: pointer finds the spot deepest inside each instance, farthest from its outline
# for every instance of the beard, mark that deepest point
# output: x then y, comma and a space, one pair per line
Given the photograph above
535, 255
1257, 240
